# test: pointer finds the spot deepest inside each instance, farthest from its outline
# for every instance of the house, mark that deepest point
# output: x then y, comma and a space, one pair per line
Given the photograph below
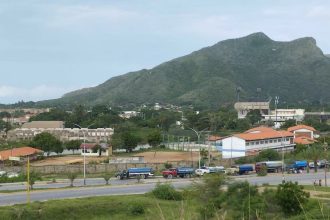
21, 152
252, 141
92, 149
303, 134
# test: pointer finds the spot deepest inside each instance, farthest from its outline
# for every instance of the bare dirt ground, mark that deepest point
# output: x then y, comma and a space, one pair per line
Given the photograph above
78, 159
163, 157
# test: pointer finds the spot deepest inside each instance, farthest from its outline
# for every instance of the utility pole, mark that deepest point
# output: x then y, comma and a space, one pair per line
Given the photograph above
198, 133
325, 165
276, 102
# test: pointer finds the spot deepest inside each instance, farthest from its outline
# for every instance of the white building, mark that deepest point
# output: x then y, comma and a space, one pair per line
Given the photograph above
254, 140
243, 108
279, 116
129, 114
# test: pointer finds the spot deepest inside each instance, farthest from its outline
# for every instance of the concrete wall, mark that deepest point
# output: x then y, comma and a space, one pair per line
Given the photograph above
97, 168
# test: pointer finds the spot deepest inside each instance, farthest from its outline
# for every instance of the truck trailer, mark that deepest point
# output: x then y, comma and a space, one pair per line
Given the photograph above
143, 172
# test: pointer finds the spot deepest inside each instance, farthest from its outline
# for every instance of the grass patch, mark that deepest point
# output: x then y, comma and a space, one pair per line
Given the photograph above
317, 188
111, 207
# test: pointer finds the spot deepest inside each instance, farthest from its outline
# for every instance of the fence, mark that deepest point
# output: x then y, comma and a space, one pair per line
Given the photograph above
95, 168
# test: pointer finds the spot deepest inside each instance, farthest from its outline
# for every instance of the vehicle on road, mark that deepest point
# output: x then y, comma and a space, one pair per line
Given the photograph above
201, 171
297, 166
272, 166
143, 172
242, 169
205, 170
178, 172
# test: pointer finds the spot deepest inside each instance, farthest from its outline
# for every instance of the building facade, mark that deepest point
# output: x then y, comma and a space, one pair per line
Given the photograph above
255, 140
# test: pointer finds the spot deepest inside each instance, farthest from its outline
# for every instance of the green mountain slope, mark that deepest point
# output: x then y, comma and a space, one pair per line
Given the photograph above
297, 71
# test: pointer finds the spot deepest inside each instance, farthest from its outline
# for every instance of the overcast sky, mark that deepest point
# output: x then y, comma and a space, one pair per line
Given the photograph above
48, 48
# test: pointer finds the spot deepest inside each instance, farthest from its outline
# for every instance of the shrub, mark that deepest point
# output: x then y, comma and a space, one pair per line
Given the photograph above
168, 165
136, 209
262, 171
72, 176
166, 192
291, 197
106, 177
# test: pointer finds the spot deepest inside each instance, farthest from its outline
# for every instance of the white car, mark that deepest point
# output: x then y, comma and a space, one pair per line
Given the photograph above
12, 175
201, 171
2, 173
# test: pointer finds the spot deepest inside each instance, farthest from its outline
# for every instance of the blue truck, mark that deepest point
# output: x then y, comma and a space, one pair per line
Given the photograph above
178, 172
240, 169
296, 166
143, 172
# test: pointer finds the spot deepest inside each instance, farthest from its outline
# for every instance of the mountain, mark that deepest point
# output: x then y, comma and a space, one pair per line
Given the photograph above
297, 71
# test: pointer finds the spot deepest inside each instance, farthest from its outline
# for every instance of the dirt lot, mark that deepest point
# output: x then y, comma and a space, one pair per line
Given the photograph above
149, 157
162, 157
66, 160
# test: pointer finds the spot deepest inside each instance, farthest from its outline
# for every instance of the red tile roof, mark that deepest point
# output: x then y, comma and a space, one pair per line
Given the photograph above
214, 138
263, 133
18, 152
303, 140
297, 127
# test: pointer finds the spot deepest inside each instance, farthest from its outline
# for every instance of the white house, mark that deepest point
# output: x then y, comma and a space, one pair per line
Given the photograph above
254, 140
303, 134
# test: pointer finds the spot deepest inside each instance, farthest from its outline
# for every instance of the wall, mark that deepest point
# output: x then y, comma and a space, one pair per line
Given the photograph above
97, 168
233, 147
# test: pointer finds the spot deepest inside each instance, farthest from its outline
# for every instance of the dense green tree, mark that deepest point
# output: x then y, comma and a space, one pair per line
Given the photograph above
55, 114
254, 116
291, 197
314, 153
47, 142
73, 145
268, 155
154, 138
5, 115
130, 141
288, 123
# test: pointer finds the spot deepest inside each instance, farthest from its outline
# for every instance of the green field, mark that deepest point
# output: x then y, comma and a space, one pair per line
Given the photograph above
111, 207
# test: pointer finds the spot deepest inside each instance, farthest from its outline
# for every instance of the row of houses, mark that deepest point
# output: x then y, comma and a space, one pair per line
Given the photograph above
252, 141
29, 130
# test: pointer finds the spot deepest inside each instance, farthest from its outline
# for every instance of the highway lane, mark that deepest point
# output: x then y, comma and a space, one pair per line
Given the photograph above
21, 197
124, 187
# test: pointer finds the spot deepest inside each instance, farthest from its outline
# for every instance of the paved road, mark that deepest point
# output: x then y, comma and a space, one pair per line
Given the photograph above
20, 197
128, 187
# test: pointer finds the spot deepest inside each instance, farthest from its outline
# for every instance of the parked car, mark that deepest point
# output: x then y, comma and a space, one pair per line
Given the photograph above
201, 171
12, 174
178, 172
2, 173
242, 169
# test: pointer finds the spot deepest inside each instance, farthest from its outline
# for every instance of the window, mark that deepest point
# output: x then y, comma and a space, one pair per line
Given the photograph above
270, 141
266, 142
287, 139
261, 142
275, 140
257, 142
247, 143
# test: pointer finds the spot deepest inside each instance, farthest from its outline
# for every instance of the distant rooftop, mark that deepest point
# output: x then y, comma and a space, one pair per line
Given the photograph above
44, 124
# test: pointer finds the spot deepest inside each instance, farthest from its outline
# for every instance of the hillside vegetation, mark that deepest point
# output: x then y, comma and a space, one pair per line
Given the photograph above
297, 71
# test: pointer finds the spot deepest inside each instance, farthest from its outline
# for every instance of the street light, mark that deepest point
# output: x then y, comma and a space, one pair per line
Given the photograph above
276, 102
84, 150
198, 133
325, 164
